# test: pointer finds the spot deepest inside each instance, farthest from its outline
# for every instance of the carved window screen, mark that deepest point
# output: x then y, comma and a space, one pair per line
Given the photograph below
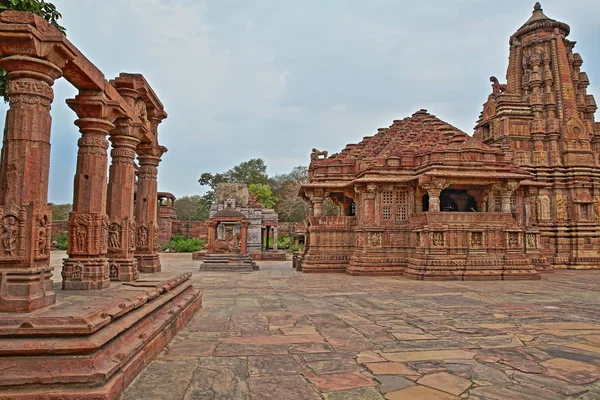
513, 203
387, 200
401, 205
386, 213
497, 203
387, 197
394, 205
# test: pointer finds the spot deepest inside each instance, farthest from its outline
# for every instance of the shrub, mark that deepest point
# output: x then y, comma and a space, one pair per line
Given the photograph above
296, 247
284, 241
181, 244
62, 241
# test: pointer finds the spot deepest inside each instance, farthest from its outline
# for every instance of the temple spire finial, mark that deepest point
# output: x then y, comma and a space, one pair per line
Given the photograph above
537, 14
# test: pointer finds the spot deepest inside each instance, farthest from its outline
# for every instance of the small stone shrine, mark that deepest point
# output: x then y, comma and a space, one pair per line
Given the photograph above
262, 222
227, 242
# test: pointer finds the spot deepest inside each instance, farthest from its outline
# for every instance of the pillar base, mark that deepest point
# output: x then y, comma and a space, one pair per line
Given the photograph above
26, 289
123, 269
148, 263
85, 274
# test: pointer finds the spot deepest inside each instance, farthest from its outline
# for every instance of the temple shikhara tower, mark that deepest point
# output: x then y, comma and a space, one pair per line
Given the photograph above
544, 117
424, 200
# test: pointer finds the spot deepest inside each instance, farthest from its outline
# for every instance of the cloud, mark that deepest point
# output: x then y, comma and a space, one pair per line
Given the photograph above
263, 78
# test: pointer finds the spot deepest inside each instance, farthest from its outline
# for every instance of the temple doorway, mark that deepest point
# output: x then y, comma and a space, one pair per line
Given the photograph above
457, 200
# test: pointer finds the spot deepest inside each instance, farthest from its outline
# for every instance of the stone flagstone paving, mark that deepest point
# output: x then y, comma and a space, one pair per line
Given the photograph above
281, 334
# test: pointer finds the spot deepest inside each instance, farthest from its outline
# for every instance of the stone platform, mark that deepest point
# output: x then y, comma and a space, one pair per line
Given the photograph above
92, 344
228, 262
281, 334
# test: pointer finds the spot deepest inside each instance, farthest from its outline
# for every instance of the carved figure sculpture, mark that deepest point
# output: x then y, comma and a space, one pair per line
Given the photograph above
318, 153
114, 236
561, 208
229, 245
81, 235
42, 235
497, 87
143, 236
9, 236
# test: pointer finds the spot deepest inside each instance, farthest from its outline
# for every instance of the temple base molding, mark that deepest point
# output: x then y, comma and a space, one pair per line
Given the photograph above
93, 348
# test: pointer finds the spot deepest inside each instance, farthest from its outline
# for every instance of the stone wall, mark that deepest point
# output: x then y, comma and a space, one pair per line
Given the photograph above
59, 228
190, 229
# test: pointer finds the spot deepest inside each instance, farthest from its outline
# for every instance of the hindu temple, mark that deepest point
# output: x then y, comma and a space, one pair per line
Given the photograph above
543, 118
424, 200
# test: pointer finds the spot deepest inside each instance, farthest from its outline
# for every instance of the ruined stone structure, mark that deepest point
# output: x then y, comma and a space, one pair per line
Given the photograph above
422, 199
263, 222
89, 345
166, 215
544, 118
228, 242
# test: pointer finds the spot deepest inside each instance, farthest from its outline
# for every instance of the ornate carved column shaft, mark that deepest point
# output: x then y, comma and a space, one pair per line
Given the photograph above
434, 199
25, 216
317, 206
275, 234
86, 267
121, 187
146, 210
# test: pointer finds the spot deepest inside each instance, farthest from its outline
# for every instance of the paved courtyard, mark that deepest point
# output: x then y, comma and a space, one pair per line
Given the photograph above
280, 334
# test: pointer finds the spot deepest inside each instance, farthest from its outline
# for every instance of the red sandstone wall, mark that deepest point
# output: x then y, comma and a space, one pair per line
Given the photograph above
190, 229
59, 227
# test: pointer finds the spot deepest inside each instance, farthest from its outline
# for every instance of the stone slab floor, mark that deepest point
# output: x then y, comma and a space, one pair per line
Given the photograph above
280, 334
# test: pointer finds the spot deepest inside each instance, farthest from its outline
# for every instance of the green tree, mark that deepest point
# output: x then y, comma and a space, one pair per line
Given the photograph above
60, 212
290, 207
330, 209
249, 172
253, 171
191, 208
42, 8
263, 194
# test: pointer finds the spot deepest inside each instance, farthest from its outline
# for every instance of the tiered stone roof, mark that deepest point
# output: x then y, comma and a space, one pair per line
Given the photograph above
413, 146
416, 134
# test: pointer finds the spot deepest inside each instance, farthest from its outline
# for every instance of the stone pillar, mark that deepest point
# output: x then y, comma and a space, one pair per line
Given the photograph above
275, 232
146, 212
25, 216
244, 237
267, 229
86, 267
317, 206
505, 201
212, 235
434, 199
434, 189
121, 187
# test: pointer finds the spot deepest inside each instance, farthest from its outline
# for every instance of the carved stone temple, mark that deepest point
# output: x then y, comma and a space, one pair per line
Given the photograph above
424, 200
234, 204
544, 118
90, 338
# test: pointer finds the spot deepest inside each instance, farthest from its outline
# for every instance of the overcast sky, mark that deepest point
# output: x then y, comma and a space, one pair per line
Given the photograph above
244, 79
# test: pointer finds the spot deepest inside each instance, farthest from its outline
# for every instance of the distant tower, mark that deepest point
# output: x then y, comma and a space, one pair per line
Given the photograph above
544, 116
